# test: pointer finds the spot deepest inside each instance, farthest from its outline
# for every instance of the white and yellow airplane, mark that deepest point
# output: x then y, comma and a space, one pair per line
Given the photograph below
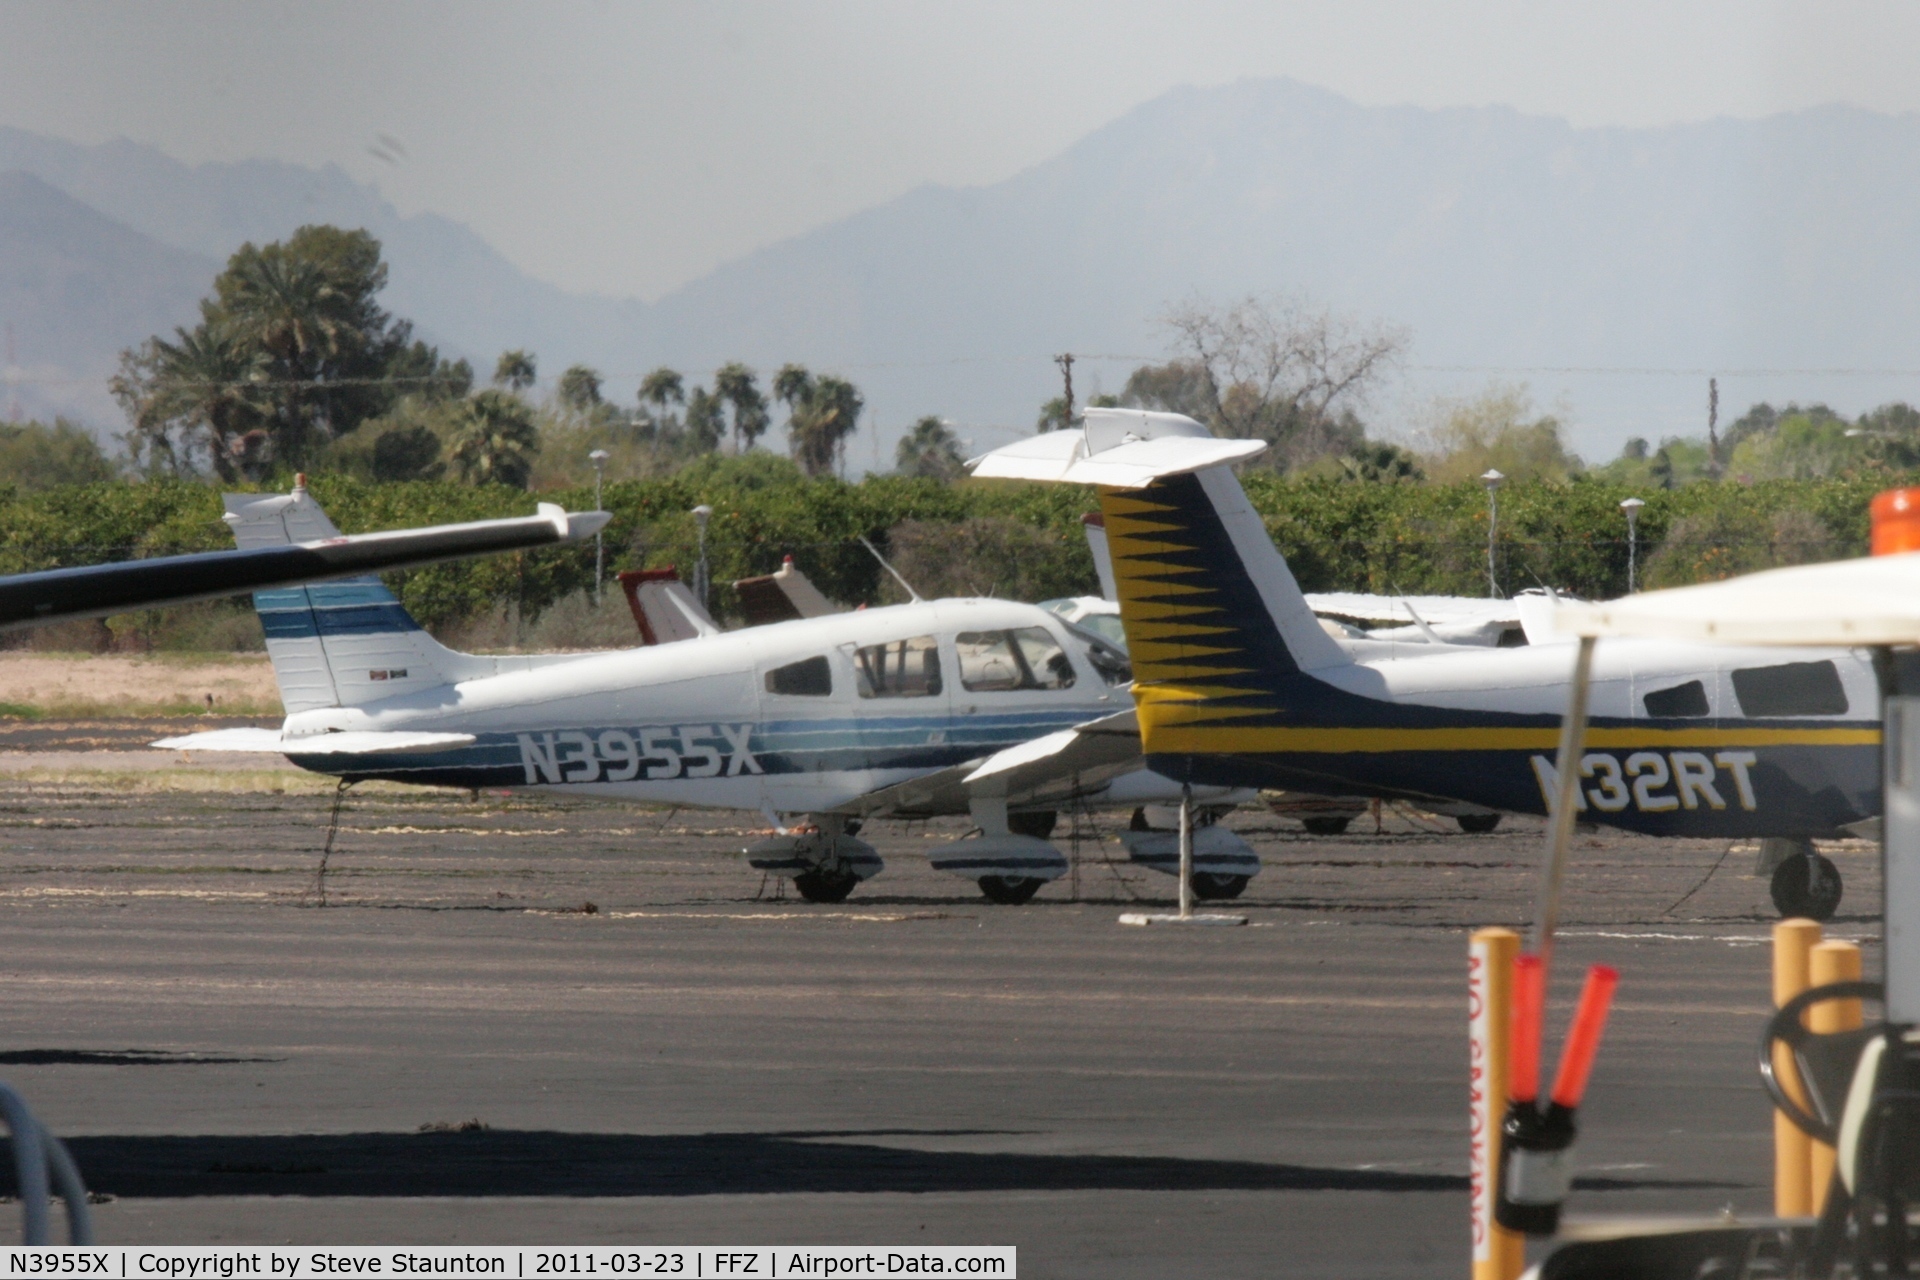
1238, 685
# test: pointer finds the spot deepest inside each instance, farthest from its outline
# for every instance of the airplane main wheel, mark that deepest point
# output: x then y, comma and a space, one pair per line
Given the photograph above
1038, 825
1478, 824
1807, 885
1213, 887
1325, 826
1010, 891
821, 885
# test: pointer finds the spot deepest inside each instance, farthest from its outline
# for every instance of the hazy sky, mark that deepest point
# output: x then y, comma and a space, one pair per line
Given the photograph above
628, 148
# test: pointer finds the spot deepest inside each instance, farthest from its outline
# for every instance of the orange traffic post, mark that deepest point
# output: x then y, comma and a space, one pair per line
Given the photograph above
1896, 522
1793, 944
1498, 1254
1830, 962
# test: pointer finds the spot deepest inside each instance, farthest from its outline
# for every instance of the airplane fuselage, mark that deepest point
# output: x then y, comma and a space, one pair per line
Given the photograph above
802, 717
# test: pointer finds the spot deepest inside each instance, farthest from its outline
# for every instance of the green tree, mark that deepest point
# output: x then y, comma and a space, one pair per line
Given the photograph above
661, 388
1496, 430
929, 449
201, 395
515, 370
495, 438
35, 456
579, 389
736, 385
822, 413
706, 420
293, 345
1377, 462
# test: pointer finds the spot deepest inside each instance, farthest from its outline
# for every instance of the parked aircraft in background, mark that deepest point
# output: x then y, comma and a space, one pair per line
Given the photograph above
1237, 684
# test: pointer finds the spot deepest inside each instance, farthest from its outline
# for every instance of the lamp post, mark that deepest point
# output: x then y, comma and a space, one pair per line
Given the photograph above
599, 460
701, 514
1632, 507
1492, 480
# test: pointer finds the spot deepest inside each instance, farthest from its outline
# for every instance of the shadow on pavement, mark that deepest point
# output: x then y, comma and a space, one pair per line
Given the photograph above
534, 1163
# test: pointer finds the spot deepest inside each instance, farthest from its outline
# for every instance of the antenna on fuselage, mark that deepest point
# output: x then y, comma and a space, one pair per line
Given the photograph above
1432, 636
917, 599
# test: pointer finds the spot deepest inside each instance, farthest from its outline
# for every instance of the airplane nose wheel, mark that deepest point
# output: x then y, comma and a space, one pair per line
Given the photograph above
1808, 885
1210, 886
822, 885
1009, 891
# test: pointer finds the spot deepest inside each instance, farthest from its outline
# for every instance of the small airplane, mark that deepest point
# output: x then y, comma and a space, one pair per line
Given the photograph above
915, 710
1237, 684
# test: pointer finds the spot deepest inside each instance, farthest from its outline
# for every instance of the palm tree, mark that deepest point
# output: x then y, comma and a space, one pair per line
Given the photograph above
826, 415
514, 370
735, 384
210, 385
929, 449
661, 388
494, 440
579, 388
706, 420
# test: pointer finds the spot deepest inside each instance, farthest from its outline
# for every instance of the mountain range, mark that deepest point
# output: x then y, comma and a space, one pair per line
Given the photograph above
1504, 242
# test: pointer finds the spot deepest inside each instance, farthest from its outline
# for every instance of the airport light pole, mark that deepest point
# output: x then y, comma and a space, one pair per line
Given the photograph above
1632, 507
701, 514
1492, 480
599, 460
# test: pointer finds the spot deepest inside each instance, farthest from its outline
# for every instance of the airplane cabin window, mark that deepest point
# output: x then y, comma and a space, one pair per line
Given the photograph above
1000, 661
811, 678
899, 669
1791, 689
1046, 662
1689, 699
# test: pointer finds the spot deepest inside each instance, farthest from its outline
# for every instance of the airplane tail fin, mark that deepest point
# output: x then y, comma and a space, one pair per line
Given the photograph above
1216, 624
334, 644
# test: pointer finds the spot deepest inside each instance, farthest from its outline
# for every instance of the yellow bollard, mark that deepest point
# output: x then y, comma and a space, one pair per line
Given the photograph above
1498, 1254
1793, 941
1830, 962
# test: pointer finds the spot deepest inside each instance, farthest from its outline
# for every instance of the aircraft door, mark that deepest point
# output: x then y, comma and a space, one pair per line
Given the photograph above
903, 704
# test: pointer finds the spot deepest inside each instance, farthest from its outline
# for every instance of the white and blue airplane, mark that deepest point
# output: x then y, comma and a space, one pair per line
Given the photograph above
992, 708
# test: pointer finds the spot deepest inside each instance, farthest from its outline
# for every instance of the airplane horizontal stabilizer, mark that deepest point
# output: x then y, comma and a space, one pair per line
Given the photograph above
1063, 456
361, 743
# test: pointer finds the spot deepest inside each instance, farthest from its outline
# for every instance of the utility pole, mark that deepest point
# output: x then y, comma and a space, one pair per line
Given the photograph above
13, 378
1065, 362
1713, 422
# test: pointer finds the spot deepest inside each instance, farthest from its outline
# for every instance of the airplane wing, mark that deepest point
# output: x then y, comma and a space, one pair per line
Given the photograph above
53, 595
360, 743
1056, 766
1360, 607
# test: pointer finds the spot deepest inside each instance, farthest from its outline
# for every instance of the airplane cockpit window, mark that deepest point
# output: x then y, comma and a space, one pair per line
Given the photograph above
1791, 689
898, 669
1105, 625
1682, 700
1024, 658
809, 678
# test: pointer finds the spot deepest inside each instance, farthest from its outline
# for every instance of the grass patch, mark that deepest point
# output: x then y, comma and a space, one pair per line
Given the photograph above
19, 711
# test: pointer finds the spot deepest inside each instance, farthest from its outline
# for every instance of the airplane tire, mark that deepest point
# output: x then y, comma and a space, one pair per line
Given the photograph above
1478, 824
1325, 826
1038, 825
1210, 886
825, 886
1808, 886
1010, 891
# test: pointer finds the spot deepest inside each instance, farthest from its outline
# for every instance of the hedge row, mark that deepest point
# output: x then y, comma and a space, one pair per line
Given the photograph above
1391, 538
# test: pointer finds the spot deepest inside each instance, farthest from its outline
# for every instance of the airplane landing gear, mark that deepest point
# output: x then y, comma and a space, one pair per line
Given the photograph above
1009, 891
1478, 824
1808, 885
1210, 886
825, 885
